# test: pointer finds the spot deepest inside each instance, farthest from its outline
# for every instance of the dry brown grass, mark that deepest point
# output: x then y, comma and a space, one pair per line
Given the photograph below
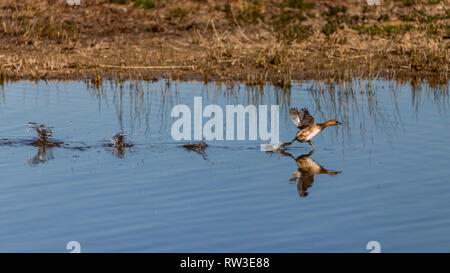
250, 41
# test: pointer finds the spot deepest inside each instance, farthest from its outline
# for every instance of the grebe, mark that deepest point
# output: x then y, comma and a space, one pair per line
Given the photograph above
308, 128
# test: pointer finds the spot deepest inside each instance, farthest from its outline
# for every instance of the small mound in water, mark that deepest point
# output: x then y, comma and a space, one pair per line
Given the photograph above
118, 141
44, 134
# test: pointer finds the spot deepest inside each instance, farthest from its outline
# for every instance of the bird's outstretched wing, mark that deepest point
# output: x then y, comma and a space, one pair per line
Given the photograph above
301, 118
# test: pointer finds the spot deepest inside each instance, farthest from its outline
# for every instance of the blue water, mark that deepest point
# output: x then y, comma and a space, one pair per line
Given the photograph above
393, 154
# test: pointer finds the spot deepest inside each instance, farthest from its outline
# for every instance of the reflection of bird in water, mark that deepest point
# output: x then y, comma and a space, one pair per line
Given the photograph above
308, 128
307, 169
119, 152
43, 155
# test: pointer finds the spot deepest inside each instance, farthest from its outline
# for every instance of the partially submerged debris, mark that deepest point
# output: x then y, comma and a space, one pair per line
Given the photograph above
276, 147
198, 148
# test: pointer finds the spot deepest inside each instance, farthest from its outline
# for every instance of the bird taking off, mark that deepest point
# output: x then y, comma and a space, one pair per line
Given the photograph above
307, 126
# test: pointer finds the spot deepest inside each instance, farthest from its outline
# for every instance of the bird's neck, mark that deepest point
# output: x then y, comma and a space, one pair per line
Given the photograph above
327, 123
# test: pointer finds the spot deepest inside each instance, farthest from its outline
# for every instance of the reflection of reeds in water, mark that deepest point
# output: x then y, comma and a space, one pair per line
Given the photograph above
2, 93
357, 104
136, 100
438, 94
253, 95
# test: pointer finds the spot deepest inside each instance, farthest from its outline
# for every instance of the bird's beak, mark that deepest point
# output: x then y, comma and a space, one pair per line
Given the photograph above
339, 123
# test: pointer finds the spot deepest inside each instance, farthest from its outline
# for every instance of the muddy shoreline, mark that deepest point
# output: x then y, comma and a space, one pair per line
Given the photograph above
253, 42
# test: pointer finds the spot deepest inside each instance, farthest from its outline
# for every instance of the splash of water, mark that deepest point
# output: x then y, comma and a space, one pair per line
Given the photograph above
118, 140
273, 147
119, 143
44, 134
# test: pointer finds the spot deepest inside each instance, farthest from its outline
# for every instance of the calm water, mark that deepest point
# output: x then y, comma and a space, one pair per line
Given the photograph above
392, 154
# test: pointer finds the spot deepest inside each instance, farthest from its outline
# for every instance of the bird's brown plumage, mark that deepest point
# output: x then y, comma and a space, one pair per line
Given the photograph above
302, 118
305, 123
307, 169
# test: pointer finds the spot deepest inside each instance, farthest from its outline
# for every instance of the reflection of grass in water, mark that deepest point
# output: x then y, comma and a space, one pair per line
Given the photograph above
438, 94
357, 103
2, 94
137, 99
254, 95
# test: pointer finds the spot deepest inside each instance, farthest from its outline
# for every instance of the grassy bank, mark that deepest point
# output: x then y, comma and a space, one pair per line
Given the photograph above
248, 41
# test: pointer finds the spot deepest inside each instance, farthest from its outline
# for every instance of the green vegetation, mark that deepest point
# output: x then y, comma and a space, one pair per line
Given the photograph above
383, 18
120, 2
146, 4
177, 13
294, 33
288, 26
409, 3
251, 13
384, 30
419, 17
257, 41
334, 11
437, 30
335, 17
299, 4
329, 29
